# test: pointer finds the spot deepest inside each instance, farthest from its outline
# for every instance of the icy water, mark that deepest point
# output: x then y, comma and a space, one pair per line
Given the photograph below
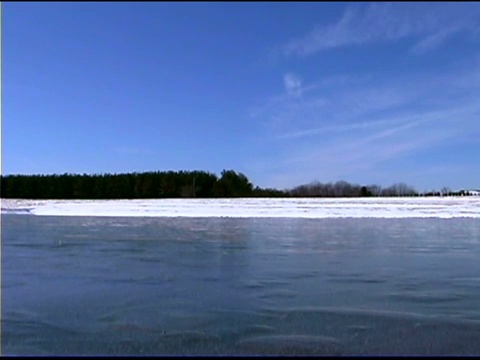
226, 286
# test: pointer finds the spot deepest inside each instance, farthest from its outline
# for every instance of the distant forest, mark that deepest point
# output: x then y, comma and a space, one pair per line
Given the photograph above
182, 184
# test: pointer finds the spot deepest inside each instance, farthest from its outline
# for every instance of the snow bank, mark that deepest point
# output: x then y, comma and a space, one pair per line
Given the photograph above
445, 207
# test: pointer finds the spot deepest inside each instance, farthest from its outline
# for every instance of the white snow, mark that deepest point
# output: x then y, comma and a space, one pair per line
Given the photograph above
416, 207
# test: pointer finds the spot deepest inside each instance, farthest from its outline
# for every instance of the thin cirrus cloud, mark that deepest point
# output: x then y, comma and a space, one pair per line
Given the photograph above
350, 103
431, 24
340, 125
293, 85
434, 40
353, 153
331, 106
356, 124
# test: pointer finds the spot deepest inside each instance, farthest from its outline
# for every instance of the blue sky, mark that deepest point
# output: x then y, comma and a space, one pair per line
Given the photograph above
287, 93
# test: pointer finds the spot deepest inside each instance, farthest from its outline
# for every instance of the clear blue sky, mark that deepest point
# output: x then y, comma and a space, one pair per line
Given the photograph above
287, 93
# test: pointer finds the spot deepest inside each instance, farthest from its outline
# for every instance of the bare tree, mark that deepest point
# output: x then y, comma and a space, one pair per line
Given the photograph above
375, 190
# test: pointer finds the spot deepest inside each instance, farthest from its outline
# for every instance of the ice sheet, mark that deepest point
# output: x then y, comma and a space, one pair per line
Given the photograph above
438, 207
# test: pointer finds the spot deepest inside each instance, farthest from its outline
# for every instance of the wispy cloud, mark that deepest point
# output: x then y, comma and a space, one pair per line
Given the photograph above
352, 154
293, 85
430, 25
356, 123
340, 129
432, 41
330, 106
355, 103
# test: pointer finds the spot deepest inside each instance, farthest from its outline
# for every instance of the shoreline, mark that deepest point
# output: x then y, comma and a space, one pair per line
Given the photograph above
381, 207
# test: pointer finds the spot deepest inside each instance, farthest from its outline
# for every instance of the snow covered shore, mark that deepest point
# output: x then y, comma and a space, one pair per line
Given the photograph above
444, 207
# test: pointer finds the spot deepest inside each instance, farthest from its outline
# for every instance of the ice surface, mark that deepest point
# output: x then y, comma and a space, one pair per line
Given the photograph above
416, 207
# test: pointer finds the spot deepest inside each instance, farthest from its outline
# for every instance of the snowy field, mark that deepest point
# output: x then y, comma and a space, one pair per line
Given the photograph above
440, 207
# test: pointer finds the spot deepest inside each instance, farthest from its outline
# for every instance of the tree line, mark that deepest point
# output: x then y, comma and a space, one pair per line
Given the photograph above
182, 184
346, 189
146, 185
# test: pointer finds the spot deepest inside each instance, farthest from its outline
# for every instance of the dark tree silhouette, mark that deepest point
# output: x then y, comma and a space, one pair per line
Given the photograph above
187, 184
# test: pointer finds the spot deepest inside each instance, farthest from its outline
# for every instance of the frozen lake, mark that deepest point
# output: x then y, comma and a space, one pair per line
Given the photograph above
241, 285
